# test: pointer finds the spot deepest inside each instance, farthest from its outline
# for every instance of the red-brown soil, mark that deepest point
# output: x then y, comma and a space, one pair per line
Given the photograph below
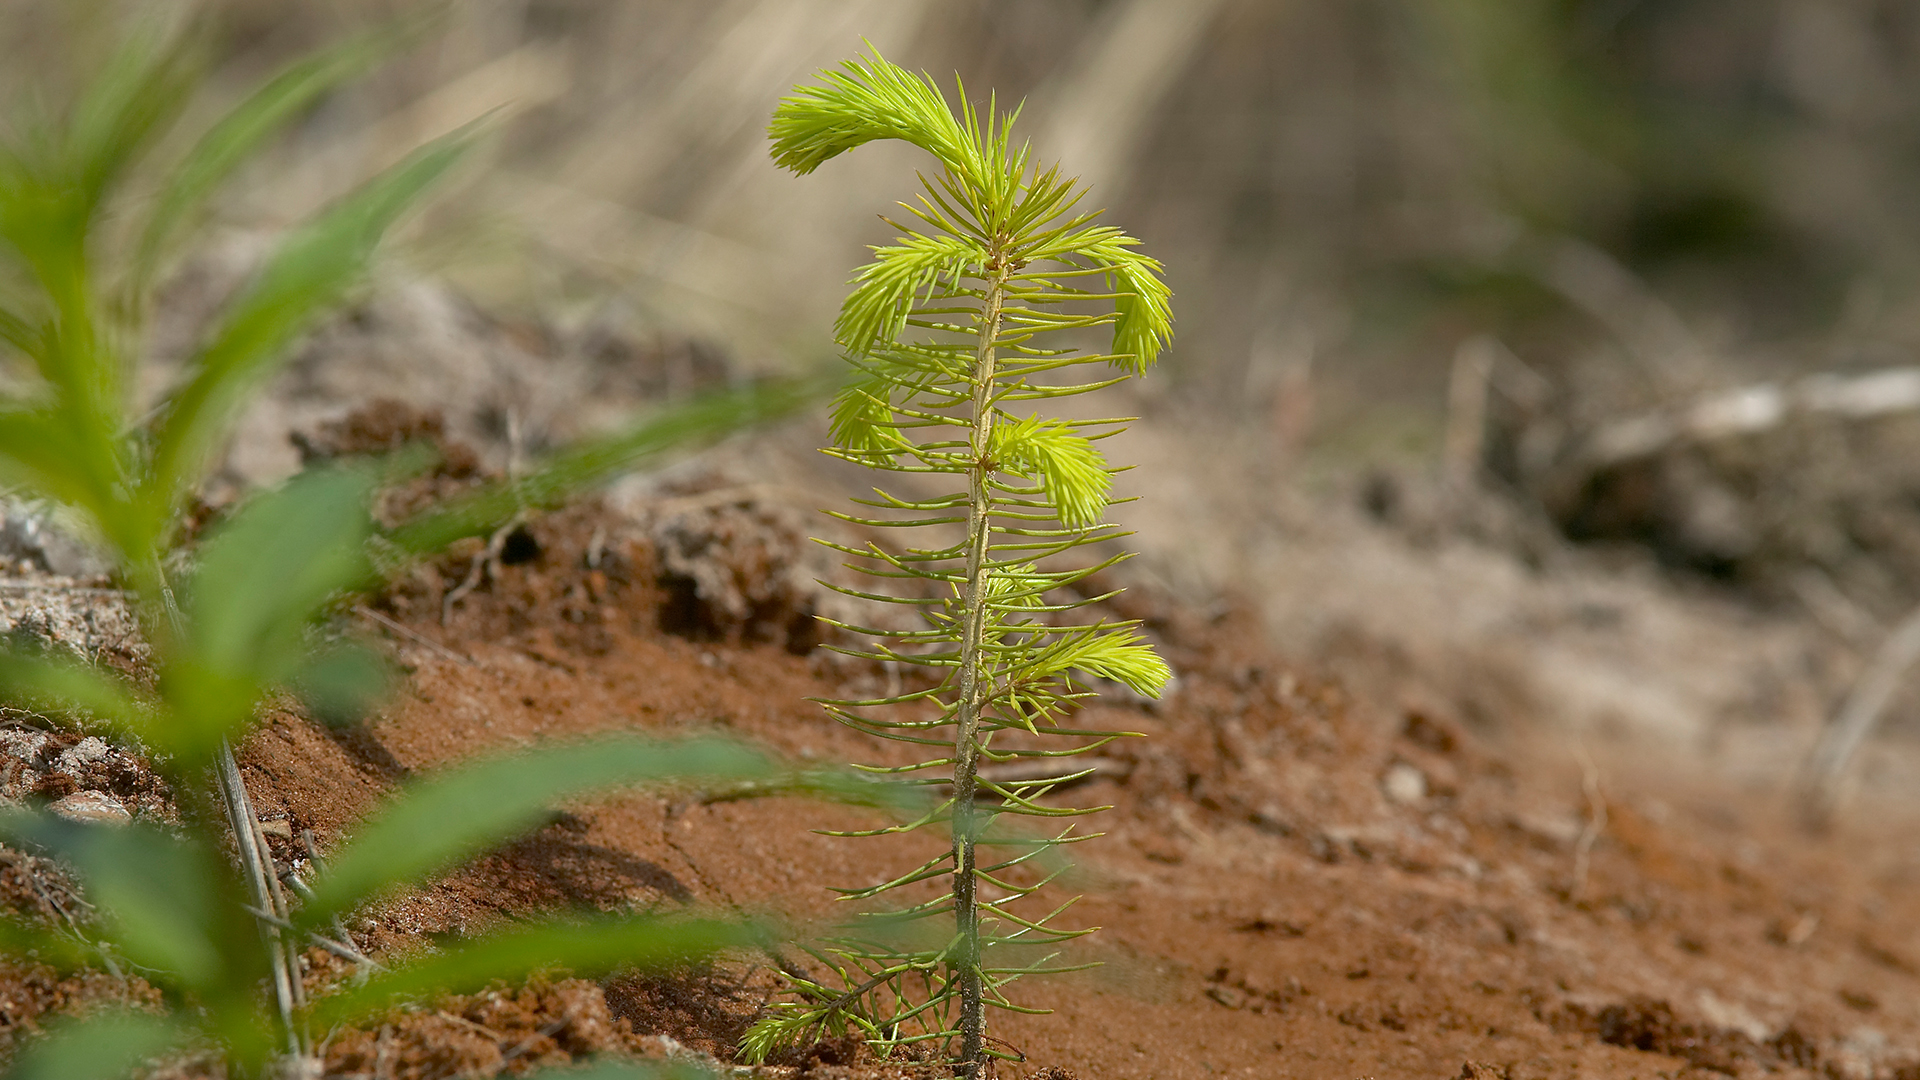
1291, 884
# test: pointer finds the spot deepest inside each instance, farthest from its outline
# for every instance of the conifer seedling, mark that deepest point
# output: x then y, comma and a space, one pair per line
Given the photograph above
957, 333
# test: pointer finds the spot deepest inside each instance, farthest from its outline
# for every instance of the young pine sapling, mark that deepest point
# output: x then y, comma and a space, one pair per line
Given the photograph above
953, 331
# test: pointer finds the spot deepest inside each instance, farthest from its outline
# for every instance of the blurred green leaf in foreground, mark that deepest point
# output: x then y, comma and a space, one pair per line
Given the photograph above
236, 624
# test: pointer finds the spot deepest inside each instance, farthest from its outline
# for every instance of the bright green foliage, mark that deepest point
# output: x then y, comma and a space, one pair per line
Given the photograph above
103, 1046
580, 466
449, 818
171, 907
1073, 473
71, 301
950, 329
238, 624
79, 258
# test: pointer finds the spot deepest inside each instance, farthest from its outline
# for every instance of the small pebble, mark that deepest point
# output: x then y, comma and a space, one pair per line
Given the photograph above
23, 743
1404, 784
91, 807
82, 754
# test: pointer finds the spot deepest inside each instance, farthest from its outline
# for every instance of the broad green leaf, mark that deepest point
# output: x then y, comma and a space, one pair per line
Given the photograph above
97, 1048
43, 225
54, 178
703, 420
343, 683
20, 334
51, 683
449, 817
126, 103
310, 273
39, 454
158, 896
240, 133
43, 943
264, 575
587, 948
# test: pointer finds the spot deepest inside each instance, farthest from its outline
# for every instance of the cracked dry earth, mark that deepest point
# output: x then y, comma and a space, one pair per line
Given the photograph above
1292, 884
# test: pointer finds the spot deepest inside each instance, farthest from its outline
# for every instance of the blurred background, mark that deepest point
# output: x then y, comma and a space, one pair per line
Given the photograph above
1612, 288
1356, 187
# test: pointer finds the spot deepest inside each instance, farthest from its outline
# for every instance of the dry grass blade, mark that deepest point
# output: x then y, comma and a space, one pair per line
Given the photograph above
256, 868
1826, 766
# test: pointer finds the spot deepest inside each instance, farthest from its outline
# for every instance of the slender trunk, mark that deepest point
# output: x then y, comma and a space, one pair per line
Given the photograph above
966, 739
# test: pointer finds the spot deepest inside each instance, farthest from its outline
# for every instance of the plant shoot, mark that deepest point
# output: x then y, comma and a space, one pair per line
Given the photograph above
957, 333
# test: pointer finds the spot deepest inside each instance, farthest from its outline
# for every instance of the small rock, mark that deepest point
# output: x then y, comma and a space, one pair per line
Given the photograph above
91, 807
1731, 1014
1229, 996
29, 533
82, 754
1271, 818
299, 1067
23, 743
1404, 784
1554, 831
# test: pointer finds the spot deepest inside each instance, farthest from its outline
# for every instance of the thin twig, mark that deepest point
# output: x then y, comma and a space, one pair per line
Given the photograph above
1466, 432
343, 951
280, 908
1596, 821
487, 563
483, 566
253, 864
1842, 738
1751, 409
546, 1032
320, 866
31, 586
479, 1029
24, 864
341, 944
1833, 609
412, 635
